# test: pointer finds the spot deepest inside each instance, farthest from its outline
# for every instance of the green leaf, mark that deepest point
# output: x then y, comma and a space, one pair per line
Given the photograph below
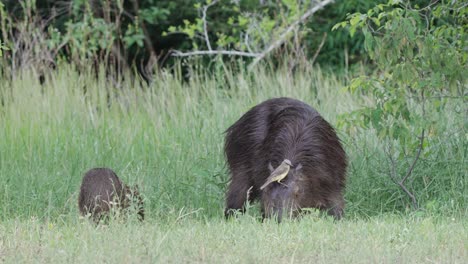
242, 21
352, 31
376, 21
355, 20
368, 41
338, 25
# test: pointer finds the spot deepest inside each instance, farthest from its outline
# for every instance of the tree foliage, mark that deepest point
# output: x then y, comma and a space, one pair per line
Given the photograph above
140, 32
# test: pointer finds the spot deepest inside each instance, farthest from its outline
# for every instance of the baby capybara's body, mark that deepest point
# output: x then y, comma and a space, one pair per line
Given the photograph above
101, 190
269, 133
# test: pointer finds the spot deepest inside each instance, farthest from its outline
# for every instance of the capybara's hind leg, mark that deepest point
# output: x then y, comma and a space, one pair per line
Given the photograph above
336, 206
238, 193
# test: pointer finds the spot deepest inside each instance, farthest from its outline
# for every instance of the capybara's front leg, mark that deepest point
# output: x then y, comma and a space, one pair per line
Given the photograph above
238, 192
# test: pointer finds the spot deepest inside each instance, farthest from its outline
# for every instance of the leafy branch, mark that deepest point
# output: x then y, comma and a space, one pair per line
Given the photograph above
401, 183
283, 37
272, 44
421, 61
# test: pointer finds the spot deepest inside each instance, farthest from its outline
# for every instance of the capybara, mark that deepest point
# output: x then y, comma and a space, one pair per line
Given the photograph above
102, 190
291, 133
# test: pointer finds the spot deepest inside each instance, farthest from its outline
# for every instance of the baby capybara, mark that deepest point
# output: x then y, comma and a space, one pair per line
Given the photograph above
102, 190
291, 133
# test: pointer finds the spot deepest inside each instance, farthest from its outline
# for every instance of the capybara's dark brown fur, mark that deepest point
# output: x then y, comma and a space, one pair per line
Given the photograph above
101, 190
279, 129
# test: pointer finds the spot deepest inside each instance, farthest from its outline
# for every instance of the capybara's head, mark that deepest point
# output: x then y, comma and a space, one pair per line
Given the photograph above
304, 187
283, 199
133, 199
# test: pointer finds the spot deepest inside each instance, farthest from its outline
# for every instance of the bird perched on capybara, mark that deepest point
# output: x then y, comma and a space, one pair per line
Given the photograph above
102, 190
290, 133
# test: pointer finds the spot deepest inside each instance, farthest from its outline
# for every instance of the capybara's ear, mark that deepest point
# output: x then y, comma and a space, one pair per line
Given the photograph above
298, 167
270, 167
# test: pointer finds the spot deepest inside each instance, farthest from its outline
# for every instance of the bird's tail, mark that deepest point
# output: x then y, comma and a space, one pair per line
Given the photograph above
265, 184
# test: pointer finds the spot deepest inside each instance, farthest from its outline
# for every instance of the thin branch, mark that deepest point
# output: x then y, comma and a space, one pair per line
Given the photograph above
393, 176
147, 39
319, 48
282, 37
205, 29
421, 9
410, 170
461, 7
401, 183
439, 97
413, 198
257, 56
375, 32
177, 53
420, 147
393, 166
246, 42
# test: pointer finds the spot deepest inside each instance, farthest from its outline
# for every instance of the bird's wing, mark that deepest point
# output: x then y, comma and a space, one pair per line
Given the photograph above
277, 175
280, 172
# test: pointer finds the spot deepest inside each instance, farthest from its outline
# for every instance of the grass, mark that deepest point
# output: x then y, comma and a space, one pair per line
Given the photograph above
168, 138
388, 239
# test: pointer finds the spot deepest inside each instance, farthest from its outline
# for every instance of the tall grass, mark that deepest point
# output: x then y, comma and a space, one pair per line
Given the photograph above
168, 137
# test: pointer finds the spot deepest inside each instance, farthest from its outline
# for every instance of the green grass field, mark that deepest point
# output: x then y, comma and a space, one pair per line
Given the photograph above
168, 138
387, 239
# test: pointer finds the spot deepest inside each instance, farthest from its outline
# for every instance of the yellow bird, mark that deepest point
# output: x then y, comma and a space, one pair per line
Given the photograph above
278, 174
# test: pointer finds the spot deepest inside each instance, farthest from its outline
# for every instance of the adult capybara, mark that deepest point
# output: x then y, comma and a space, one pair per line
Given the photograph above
291, 133
102, 190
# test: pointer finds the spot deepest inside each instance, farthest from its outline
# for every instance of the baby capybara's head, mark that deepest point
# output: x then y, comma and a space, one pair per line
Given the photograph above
101, 190
133, 198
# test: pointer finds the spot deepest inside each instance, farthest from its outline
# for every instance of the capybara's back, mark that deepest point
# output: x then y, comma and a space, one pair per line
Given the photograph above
289, 132
102, 190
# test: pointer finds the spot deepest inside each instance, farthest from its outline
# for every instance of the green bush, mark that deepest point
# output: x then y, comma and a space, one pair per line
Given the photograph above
421, 63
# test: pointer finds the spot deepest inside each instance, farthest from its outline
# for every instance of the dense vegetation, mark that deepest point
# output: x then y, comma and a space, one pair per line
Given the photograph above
133, 30
168, 137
